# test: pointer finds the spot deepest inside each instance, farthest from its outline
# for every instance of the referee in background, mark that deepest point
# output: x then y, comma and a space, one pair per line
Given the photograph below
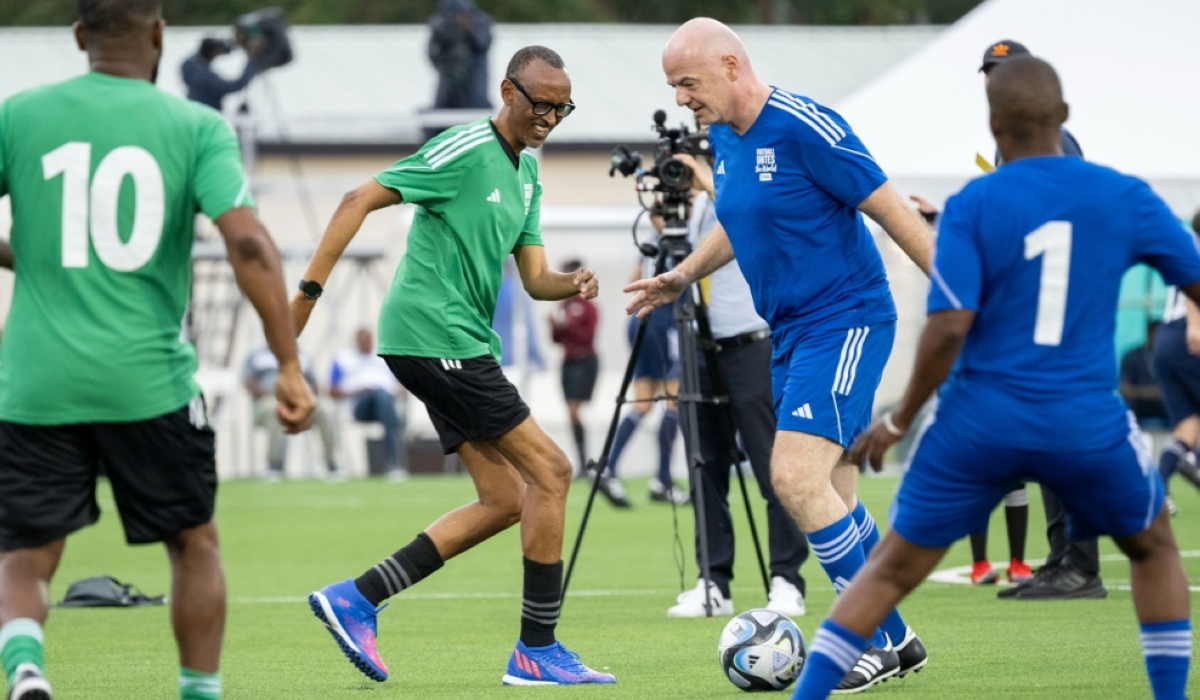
1072, 569
743, 341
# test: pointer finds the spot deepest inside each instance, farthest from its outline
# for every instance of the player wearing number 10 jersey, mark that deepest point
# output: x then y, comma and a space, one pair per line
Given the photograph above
105, 174
1026, 279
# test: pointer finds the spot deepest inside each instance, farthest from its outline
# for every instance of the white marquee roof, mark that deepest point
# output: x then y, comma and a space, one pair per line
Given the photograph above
1128, 70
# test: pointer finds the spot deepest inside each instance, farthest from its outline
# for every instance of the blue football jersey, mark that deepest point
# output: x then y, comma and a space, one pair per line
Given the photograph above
786, 195
1037, 249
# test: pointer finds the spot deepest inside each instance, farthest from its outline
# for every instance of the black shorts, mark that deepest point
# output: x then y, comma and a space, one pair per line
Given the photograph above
163, 473
467, 400
579, 378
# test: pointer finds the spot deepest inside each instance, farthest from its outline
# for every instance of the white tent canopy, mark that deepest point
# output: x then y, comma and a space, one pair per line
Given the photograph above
1128, 69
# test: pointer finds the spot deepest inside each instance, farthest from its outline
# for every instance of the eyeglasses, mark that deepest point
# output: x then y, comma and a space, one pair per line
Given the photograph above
541, 108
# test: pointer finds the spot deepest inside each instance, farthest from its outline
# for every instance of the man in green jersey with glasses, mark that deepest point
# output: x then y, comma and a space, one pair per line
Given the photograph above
478, 201
105, 174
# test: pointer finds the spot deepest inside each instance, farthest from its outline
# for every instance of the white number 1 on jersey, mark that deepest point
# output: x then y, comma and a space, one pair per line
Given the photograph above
1053, 240
73, 161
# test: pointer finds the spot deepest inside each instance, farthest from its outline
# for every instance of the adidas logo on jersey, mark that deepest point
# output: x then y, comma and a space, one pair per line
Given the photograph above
494, 197
721, 168
804, 411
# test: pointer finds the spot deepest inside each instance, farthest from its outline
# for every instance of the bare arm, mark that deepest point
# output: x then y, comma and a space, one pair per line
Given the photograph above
545, 284
341, 230
259, 273
941, 341
6, 255
713, 254
1192, 294
906, 228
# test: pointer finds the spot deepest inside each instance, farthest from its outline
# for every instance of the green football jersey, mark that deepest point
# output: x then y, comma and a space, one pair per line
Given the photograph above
473, 208
105, 177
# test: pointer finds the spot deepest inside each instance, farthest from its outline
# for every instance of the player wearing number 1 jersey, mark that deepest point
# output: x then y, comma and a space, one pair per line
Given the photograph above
105, 174
1026, 279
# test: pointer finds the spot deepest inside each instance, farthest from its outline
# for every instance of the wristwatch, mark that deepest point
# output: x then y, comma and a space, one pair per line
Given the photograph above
311, 290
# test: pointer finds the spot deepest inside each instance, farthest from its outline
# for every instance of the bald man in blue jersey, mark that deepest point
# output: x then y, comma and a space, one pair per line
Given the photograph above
791, 179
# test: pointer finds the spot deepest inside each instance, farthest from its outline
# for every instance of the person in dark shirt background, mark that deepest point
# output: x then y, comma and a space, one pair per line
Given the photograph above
1139, 387
203, 83
460, 35
573, 326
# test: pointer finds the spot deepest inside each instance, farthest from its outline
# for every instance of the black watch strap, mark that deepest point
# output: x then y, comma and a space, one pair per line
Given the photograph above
312, 290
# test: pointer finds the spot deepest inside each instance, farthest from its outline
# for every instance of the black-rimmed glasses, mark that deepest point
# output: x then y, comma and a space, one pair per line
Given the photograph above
541, 108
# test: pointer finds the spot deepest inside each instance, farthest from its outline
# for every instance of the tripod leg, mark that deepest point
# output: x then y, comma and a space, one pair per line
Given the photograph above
762, 564
689, 394
601, 465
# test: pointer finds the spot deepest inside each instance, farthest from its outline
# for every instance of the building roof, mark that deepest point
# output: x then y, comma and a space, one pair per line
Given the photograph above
367, 84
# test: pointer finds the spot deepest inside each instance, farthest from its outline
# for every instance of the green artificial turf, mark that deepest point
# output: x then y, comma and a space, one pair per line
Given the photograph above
450, 637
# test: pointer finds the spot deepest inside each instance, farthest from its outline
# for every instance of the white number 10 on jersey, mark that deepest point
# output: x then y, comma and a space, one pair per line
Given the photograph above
95, 207
1053, 241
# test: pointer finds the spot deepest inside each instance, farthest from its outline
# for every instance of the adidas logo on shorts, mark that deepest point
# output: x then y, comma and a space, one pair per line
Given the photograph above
804, 411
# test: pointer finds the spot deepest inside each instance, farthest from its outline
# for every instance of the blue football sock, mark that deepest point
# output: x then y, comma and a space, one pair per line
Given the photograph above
840, 553
624, 431
1167, 647
893, 625
667, 430
833, 653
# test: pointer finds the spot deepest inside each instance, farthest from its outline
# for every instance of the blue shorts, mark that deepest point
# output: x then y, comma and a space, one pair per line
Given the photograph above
659, 356
1177, 372
825, 380
954, 483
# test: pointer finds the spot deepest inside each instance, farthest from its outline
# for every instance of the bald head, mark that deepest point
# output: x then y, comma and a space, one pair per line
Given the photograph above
708, 66
704, 40
1026, 102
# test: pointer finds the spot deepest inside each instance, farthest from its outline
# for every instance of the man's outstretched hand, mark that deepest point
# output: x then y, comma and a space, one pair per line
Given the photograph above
655, 292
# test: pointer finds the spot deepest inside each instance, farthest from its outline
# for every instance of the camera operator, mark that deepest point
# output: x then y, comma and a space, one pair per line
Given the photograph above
743, 342
203, 83
460, 35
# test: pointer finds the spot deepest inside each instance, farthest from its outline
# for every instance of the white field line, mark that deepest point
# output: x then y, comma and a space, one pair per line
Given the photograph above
957, 575
487, 595
962, 574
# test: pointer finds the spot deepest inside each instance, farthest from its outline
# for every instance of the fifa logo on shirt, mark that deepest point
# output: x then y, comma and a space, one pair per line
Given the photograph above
528, 197
765, 164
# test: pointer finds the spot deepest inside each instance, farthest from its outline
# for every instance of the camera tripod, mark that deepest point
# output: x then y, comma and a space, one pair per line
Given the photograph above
691, 323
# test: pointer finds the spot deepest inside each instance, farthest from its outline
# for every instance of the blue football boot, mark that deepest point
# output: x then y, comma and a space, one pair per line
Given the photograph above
350, 618
550, 665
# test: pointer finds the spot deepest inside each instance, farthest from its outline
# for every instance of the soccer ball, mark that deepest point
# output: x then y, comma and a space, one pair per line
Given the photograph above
761, 650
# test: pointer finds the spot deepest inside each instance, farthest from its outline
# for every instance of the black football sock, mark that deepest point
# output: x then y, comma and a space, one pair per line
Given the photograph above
1017, 518
542, 600
979, 546
403, 569
580, 444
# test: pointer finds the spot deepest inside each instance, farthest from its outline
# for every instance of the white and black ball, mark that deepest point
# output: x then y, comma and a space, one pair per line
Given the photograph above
761, 650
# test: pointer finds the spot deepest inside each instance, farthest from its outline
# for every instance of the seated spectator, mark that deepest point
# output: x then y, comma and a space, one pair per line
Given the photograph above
258, 375
1138, 386
364, 378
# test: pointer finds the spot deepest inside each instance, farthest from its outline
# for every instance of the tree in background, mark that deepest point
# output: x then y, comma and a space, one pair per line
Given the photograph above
838, 12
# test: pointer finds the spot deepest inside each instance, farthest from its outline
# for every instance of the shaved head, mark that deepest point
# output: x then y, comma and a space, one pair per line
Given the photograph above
1026, 100
707, 64
704, 40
